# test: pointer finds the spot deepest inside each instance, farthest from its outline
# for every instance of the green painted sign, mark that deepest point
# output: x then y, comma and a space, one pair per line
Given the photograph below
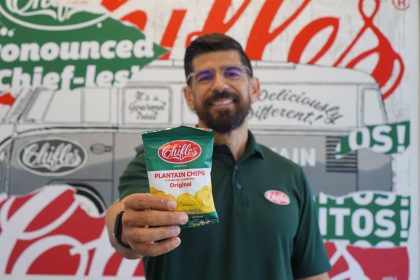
386, 139
63, 48
365, 218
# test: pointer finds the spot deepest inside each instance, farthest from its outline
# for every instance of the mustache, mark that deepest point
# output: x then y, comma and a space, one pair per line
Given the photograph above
216, 95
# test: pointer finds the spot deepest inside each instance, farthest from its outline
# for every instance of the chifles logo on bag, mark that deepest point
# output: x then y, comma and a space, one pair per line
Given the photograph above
179, 151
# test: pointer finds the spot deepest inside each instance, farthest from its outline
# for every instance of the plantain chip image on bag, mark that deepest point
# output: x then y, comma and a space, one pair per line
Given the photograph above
178, 162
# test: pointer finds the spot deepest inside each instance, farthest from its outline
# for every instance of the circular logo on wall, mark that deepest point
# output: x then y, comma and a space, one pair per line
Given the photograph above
48, 15
51, 157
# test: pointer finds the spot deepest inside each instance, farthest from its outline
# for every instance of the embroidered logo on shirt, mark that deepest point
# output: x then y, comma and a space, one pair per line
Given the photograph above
277, 197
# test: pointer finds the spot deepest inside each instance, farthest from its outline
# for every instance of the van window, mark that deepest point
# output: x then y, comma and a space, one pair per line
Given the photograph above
4, 110
97, 102
373, 107
36, 110
64, 107
147, 105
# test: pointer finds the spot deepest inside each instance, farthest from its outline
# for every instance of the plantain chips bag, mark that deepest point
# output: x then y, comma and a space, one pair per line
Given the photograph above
178, 163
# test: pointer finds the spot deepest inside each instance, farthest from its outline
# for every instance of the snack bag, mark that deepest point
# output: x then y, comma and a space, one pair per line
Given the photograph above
178, 162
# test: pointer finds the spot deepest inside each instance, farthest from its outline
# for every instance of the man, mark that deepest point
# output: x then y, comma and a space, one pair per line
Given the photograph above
268, 226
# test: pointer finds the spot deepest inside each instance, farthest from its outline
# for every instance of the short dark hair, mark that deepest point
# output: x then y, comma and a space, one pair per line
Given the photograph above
210, 43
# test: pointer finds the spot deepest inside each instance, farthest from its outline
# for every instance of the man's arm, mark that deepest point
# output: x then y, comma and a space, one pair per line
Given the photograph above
323, 276
147, 219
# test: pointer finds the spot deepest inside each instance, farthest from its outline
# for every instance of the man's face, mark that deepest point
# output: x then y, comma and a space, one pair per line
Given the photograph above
221, 90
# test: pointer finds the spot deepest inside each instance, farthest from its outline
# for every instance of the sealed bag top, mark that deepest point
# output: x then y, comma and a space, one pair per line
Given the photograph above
180, 147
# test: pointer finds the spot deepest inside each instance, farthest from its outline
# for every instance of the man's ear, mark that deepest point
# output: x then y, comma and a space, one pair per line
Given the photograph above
189, 97
255, 89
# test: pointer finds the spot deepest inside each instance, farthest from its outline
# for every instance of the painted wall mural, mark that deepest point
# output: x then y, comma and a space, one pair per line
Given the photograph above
79, 81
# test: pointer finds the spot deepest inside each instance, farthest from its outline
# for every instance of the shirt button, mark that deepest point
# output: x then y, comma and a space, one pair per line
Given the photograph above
236, 167
239, 186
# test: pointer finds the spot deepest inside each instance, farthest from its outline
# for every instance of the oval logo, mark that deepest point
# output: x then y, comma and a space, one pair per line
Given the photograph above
179, 151
51, 157
48, 15
277, 197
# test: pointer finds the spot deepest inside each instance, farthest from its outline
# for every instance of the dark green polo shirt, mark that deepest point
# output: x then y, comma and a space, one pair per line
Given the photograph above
256, 238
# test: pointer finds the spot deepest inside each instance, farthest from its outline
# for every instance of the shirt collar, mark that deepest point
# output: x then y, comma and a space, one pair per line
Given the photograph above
252, 148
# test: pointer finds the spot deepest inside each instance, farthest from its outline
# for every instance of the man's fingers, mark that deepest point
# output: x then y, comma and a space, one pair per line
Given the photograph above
153, 218
157, 248
152, 234
143, 201
153, 242
150, 224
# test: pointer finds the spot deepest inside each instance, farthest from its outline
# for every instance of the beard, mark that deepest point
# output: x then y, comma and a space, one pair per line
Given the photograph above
224, 121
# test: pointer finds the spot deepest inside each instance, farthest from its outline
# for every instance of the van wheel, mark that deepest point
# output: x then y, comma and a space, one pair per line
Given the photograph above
89, 198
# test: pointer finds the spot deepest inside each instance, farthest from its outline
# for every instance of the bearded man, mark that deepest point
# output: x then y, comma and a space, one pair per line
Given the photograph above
256, 238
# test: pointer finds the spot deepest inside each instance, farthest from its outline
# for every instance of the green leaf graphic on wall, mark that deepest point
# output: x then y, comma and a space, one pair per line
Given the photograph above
365, 218
62, 48
387, 139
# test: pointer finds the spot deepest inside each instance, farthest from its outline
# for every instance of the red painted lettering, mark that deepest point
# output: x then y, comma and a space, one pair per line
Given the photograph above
387, 69
216, 19
389, 62
302, 39
260, 35
171, 31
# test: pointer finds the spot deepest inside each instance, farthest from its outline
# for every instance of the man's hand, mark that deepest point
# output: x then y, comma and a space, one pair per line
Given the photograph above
150, 226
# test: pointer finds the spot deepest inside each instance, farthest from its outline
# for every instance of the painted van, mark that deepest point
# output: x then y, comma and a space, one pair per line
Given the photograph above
86, 137
302, 113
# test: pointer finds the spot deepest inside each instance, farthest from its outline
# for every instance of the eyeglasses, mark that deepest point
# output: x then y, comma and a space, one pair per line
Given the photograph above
229, 73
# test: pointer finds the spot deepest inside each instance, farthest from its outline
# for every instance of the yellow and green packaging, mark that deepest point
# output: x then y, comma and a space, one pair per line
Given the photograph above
178, 162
